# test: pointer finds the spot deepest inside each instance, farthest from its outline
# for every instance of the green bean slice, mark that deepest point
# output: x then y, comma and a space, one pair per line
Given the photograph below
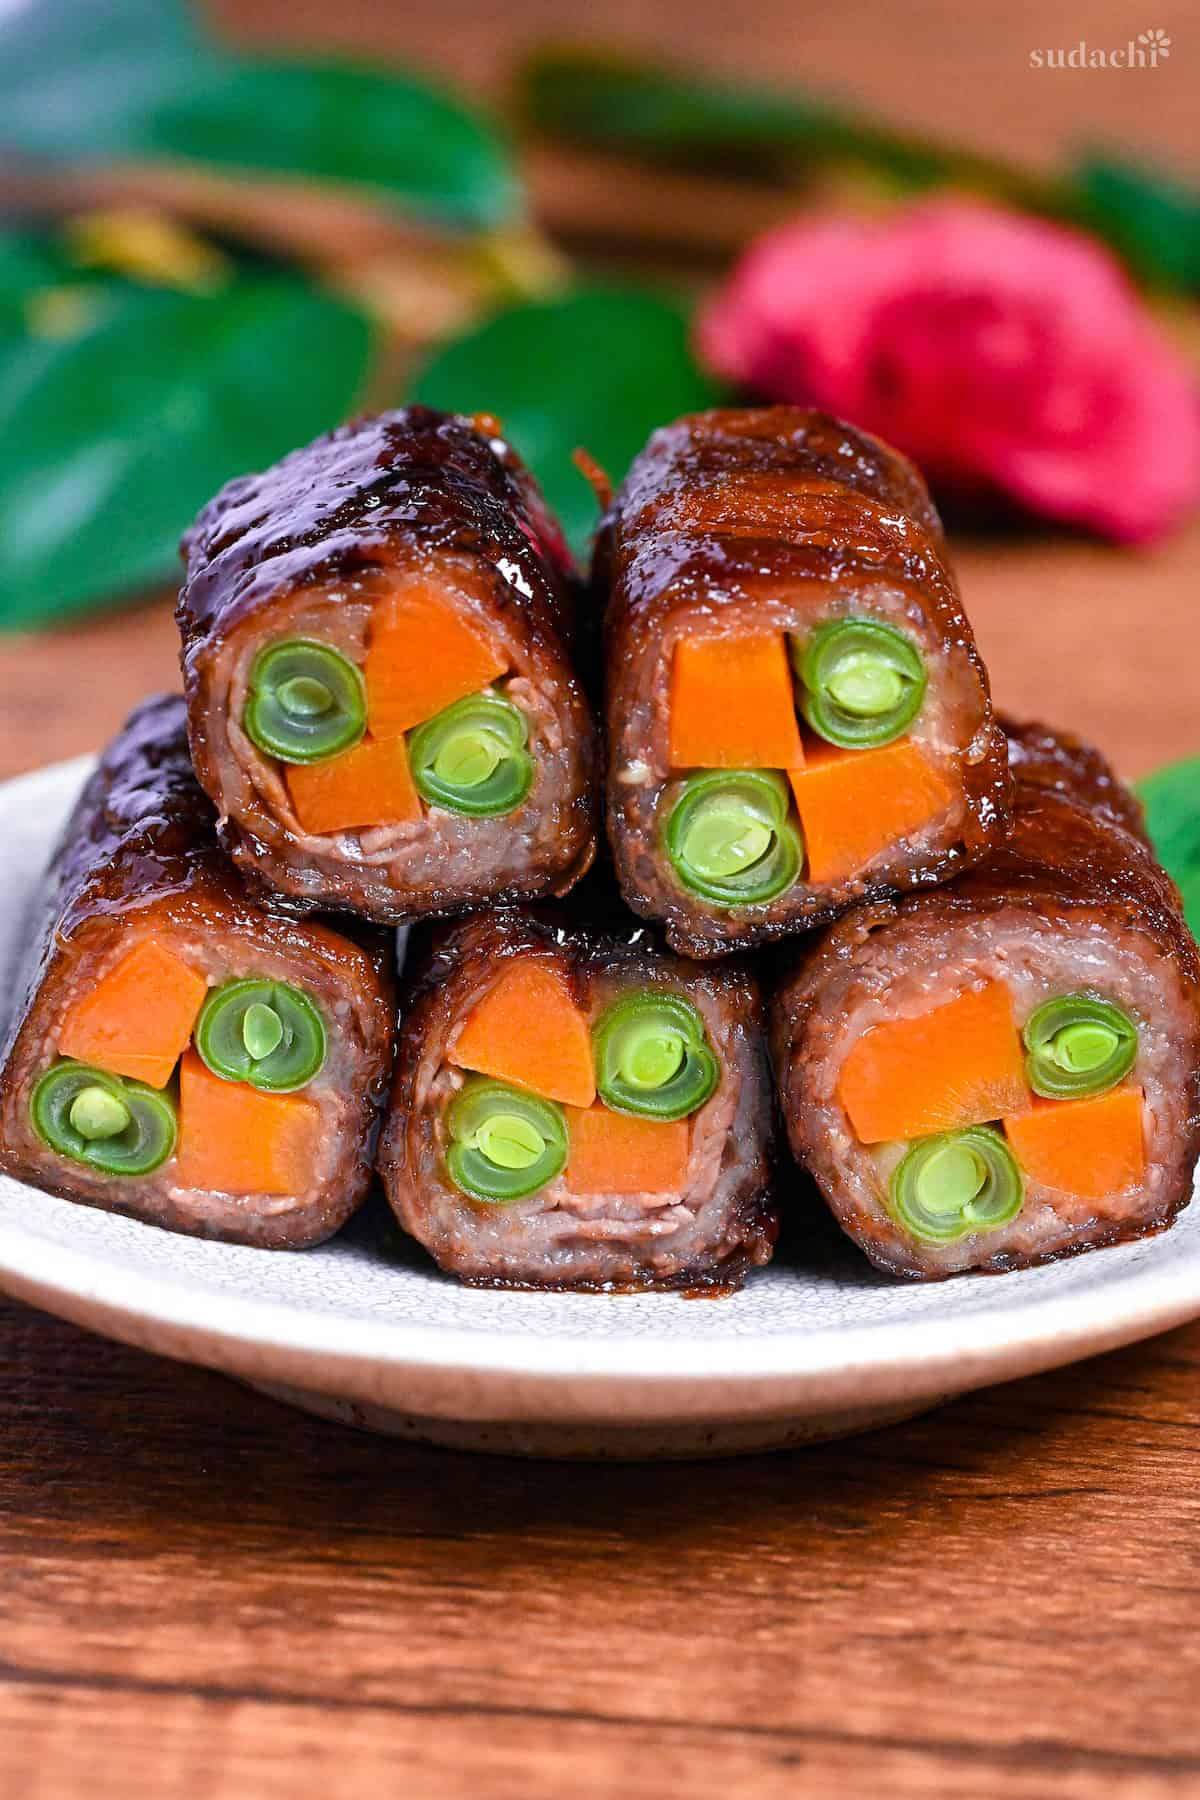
652, 1055
504, 1144
108, 1122
956, 1183
472, 758
729, 837
266, 1033
1077, 1045
306, 702
862, 682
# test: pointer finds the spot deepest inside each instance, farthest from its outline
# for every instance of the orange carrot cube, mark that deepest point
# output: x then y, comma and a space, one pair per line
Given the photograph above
528, 1030
138, 1018
1091, 1147
613, 1154
733, 705
371, 784
853, 804
958, 1064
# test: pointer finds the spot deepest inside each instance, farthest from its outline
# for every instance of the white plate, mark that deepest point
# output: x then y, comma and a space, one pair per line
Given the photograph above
366, 1330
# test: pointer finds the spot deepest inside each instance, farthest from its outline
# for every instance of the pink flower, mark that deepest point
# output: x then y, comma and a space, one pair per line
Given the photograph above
1000, 352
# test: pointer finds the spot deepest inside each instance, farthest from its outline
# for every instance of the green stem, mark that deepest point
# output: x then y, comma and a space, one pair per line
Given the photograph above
504, 1144
862, 682
472, 758
306, 702
729, 837
959, 1182
653, 1058
1078, 1045
266, 1033
118, 1126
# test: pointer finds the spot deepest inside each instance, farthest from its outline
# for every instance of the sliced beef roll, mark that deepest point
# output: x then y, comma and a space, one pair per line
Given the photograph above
382, 702
576, 1110
1007, 1069
798, 717
184, 1055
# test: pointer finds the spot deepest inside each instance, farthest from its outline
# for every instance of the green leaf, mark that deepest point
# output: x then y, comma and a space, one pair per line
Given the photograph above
670, 115
1171, 797
618, 102
599, 369
137, 79
1152, 219
123, 421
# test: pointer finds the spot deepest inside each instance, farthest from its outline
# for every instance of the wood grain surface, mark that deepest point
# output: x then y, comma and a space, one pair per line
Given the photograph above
204, 1595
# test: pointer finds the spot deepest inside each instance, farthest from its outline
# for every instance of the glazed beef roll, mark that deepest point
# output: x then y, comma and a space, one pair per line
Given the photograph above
574, 1109
183, 1055
381, 697
797, 714
1006, 1069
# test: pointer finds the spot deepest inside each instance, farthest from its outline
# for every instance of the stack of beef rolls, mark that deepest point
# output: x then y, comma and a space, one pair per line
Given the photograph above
831, 887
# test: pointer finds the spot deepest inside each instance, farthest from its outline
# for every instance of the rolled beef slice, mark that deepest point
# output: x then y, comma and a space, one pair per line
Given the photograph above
378, 658
798, 717
655, 1178
148, 947
1006, 1069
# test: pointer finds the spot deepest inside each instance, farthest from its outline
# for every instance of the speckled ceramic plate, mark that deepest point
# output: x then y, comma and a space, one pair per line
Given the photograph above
366, 1330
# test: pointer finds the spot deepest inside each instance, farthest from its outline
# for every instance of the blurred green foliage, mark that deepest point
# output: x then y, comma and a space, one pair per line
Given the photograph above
1152, 219
662, 114
123, 408
121, 79
125, 403
597, 370
1171, 797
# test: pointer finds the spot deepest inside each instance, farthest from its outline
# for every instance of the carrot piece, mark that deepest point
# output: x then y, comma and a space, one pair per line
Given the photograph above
236, 1140
855, 803
733, 705
528, 1030
138, 1018
959, 1064
1090, 1147
613, 1154
369, 785
422, 656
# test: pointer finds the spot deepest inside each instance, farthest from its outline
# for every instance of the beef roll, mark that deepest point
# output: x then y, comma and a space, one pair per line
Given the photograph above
183, 1055
797, 714
1006, 1069
382, 702
574, 1109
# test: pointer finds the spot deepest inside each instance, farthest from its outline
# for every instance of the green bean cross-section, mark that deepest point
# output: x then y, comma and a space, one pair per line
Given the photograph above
504, 1144
956, 1183
862, 682
472, 758
1078, 1045
306, 702
730, 839
113, 1124
652, 1056
266, 1033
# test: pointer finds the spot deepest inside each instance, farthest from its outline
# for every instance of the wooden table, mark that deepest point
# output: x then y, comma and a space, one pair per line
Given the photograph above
205, 1595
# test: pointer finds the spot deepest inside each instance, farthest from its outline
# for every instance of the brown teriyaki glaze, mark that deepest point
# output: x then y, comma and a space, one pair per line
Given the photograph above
764, 519
702, 1240
1075, 887
139, 856
306, 548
